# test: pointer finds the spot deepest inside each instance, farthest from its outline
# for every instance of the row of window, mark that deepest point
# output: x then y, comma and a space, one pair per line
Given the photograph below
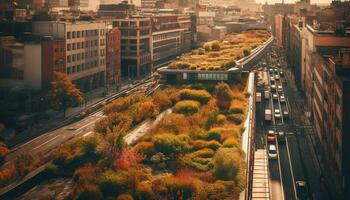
86, 33
84, 66
206, 76
87, 54
131, 23
81, 45
165, 36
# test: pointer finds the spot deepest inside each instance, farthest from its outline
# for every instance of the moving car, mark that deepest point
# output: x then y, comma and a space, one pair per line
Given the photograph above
272, 152
277, 113
282, 98
277, 77
302, 191
273, 87
271, 136
281, 137
268, 115
274, 96
279, 88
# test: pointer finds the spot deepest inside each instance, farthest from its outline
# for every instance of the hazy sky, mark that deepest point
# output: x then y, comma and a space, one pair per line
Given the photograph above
291, 1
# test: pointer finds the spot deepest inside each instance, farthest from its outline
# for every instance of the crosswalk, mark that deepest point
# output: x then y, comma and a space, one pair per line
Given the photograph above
295, 129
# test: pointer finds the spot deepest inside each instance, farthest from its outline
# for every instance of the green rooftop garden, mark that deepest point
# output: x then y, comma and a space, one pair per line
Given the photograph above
222, 55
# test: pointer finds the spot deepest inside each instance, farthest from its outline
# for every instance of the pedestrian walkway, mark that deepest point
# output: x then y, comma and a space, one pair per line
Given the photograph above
261, 186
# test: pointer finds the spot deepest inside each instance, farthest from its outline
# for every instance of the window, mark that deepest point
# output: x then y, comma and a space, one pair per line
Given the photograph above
78, 45
56, 49
82, 55
69, 70
73, 69
133, 23
69, 47
78, 34
144, 32
69, 58
133, 41
125, 24
78, 68
124, 33
78, 56
73, 57
74, 34
69, 35
82, 33
73, 46
133, 33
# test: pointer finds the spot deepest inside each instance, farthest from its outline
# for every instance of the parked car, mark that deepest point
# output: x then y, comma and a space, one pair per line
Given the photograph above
302, 191
271, 136
277, 77
272, 152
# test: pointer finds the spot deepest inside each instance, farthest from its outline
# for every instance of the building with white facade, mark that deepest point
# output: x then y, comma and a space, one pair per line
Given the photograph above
85, 44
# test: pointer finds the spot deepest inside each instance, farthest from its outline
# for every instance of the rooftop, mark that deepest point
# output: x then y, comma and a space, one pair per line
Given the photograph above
222, 55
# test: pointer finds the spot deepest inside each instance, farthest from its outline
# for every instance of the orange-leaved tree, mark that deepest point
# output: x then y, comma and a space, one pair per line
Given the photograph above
63, 93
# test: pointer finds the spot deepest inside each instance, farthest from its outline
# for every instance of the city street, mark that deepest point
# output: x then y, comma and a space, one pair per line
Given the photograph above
296, 158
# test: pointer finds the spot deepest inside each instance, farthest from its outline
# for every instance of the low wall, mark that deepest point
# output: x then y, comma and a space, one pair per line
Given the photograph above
248, 137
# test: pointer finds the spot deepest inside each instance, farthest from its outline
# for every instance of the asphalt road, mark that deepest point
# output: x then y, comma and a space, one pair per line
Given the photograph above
296, 156
44, 144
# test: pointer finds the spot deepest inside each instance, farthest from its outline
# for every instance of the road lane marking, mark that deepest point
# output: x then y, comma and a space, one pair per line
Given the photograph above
85, 125
88, 133
46, 142
279, 168
291, 169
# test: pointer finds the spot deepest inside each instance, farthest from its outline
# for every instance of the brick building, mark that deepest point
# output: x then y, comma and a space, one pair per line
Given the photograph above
113, 56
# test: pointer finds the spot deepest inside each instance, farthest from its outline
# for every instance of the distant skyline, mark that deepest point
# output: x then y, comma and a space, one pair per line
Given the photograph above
292, 1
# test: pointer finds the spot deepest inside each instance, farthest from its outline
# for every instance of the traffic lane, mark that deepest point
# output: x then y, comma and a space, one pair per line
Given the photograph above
275, 181
288, 182
317, 188
62, 134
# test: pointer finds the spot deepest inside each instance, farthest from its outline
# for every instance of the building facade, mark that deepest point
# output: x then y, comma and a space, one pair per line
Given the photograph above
85, 43
279, 29
113, 56
331, 115
136, 49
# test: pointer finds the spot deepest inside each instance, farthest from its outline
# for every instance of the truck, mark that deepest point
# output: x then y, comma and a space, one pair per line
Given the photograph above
267, 94
268, 115
258, 97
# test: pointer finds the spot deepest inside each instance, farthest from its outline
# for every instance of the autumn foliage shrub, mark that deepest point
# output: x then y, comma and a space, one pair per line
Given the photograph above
235, 118
144, 190
89, 192
125, 197
198, 95
187, 107
146, 147
229, 165
113, 183
129, 158
119, 121
7, 174
3, 152
223, 95
170, 144
182, 188
201, 144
